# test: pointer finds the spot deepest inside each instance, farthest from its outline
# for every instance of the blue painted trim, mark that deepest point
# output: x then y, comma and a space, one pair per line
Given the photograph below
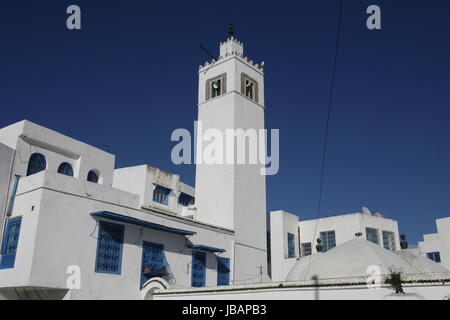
138, 222
205, 248
115, 225
13, 196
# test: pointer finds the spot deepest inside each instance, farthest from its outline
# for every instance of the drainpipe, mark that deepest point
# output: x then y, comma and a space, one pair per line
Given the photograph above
13, 196
7, 205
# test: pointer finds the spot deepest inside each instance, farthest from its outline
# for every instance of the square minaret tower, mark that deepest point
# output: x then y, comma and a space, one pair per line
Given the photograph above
233, 195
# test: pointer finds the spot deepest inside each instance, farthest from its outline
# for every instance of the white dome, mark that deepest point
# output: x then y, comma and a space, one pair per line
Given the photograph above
351, 259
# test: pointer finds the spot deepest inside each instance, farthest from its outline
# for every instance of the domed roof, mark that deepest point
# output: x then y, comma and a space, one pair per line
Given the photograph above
351, 259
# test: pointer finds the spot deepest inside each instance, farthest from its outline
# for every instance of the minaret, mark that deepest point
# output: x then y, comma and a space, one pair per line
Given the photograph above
231, 96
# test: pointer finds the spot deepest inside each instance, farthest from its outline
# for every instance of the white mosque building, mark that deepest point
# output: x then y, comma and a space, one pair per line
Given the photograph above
76, 227
66, 210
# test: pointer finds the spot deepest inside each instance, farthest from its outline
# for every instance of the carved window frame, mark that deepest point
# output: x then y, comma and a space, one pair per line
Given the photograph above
245, 77
223, 86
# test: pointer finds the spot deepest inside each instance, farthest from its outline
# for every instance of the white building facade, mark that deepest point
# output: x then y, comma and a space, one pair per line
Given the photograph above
436, 246
74, 227
292, 238
231, 193
60, 219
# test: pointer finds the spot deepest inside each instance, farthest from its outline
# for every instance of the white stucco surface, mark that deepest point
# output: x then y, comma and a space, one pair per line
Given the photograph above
353, 259
233, 195
438, 242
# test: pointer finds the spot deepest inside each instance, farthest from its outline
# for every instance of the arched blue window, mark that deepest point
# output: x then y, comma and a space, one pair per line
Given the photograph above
92, 176
66, 169
36, 164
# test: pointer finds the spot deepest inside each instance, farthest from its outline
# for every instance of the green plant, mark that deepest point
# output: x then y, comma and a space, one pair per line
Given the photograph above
395, 280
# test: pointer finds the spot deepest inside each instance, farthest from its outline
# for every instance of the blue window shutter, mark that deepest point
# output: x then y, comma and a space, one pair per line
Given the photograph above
10, 242
109, 248
154, 263
328, 240
198, 269
223, 271
161, 195
291, 245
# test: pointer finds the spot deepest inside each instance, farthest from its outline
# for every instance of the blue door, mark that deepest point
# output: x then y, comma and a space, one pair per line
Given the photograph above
198, 269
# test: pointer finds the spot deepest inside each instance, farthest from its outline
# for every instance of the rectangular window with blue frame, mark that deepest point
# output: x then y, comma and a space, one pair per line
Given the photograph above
109, 248
435, 256
223, 271
198, 269
306, 249
154, 263
388, 240
161, 194
291, 245
328, 240
185, 200
10, 242
372, 235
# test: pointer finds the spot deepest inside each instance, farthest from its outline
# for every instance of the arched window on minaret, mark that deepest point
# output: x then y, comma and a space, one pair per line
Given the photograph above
216, 86
249, 87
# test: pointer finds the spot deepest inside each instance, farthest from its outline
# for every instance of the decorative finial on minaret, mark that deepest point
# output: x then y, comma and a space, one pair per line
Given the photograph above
231, 31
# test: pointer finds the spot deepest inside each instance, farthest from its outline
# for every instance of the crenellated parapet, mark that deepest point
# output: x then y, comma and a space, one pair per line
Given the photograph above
232, 48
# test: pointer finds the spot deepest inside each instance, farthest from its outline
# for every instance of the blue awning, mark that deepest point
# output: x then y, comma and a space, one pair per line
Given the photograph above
205, 248
142, 223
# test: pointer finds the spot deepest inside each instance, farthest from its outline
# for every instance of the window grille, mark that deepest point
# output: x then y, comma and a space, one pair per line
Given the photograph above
10, 242
328, 240
109, 248
198, 269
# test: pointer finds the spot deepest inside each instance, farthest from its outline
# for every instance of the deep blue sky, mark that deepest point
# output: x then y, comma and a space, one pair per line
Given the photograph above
129, 78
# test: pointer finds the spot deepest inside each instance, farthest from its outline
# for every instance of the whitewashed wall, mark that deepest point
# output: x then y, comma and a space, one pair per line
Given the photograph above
261, 293
59, 231
282, 223
438, 242
346, 226
28, 138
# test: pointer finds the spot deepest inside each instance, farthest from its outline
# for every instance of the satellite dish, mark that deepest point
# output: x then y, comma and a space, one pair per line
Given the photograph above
377, 214
365, 210
215, 85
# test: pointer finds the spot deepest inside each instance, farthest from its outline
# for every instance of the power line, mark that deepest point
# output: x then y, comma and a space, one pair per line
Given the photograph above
327, 125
